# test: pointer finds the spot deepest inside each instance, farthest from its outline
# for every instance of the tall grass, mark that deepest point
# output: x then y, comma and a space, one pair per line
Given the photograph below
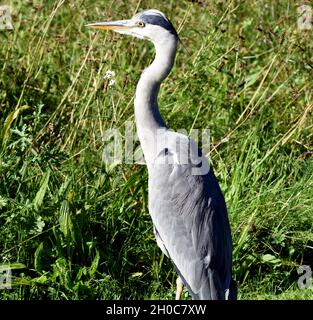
80, 229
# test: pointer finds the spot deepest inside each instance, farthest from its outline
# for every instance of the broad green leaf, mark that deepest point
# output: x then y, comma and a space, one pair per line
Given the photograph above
38, 255
269, 258
42, 190
65, 220
5, 133
95, 263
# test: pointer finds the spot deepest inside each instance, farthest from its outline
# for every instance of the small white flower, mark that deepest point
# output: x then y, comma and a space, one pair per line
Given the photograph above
109, 74
111, 83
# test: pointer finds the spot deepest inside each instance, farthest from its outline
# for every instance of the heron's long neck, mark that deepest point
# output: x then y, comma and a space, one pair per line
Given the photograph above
147, 113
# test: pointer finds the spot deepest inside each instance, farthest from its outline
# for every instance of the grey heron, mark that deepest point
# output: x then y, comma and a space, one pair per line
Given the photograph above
186, 204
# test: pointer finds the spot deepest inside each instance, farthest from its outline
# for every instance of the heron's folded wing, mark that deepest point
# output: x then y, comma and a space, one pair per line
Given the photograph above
189, 213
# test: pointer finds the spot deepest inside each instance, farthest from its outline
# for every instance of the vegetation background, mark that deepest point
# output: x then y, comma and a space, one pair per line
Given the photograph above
73, 227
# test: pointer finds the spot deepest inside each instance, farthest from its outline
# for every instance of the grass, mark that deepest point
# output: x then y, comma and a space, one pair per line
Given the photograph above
75, 228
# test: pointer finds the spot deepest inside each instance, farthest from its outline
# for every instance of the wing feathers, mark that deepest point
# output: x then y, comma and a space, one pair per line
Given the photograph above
190, 216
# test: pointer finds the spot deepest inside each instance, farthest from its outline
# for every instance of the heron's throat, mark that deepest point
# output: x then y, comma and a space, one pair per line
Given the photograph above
146, 100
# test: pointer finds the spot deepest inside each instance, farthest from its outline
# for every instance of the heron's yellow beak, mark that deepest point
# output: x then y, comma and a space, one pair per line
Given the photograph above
120, 25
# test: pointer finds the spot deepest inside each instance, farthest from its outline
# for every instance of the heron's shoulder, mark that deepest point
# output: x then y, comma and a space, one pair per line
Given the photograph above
183, 153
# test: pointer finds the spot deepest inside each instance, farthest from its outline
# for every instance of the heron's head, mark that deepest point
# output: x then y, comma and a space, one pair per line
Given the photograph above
150, 24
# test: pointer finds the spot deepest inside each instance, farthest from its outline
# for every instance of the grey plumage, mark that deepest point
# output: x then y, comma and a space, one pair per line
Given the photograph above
190, 220
186, 204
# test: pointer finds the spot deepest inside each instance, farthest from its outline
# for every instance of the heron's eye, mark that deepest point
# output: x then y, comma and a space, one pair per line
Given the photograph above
140, 24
